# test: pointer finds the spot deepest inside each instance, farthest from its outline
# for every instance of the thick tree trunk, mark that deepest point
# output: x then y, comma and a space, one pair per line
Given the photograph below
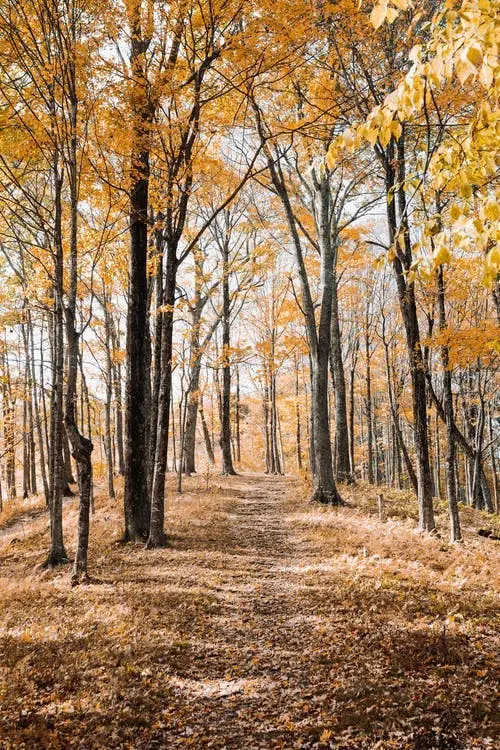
137, 504
136, 497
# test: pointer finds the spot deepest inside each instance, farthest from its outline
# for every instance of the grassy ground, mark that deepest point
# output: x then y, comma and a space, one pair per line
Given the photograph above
267, 623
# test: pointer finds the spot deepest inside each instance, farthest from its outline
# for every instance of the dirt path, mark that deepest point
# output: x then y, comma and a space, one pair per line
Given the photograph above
267, 624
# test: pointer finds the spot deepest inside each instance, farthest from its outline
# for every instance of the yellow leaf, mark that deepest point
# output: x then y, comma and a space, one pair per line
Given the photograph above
442, 255
385, 135
493, 258
396, 129
378, 14
475, 56
486, 76
492, 210
463, 71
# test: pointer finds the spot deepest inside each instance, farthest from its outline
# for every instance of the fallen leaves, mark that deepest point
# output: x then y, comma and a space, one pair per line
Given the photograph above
269, 623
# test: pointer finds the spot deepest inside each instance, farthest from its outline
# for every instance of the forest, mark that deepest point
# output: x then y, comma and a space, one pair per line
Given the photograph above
249, 370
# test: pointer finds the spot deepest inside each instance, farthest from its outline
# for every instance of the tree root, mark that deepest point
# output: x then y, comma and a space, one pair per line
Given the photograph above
326, 497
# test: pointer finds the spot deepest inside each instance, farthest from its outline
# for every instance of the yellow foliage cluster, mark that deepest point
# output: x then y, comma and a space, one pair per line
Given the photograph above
463, 50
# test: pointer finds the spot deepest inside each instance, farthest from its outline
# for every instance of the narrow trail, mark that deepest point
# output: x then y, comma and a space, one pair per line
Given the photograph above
268, 623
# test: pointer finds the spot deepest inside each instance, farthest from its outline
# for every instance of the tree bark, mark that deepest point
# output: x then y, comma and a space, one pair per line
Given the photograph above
368, 405
225, 437
57, 553
342, 459
451, 484
137, 394
81, 447
402, 259
157, 536
206, 434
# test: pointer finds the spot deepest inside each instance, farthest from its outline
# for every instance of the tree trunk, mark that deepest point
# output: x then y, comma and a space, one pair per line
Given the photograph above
406, 293
108, 440
237, 417
225, 437
192, 418
81, 446
57, 553
157, 536
401, 445
298, 436
137, 395
368, 406
206, 434
342, 460
451, 484
158, 329
352, 374
37, 415
117, 389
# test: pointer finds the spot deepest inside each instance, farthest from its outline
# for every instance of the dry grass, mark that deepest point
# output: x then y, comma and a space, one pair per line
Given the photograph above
20, 509
267, 623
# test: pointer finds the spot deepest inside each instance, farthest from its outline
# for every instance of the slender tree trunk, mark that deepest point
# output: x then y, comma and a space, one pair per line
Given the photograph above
8, 408
352, 374
157, 536
265, 412
298, 435
225, 437
406, 293
57, 552
37, 415
118, 401
237, 417
189, 464
493, 462
276, 460
401, 445
342, 460
157, 350
368, 405
108, 440
206, 434
451, 486
81, 446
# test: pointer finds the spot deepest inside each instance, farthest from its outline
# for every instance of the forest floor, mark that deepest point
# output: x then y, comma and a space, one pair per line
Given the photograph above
267, 623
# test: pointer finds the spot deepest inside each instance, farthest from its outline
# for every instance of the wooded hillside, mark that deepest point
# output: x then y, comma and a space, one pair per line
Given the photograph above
257, 241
